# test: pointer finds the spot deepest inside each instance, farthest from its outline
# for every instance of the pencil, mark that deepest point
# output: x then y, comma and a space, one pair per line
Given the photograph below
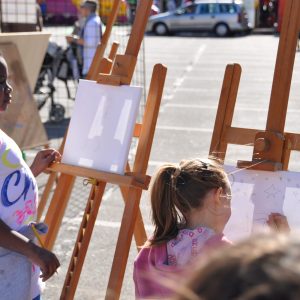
37, 236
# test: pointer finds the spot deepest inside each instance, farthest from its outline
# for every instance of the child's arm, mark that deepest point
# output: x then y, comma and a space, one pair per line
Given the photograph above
43, 160
278, 223
16, 242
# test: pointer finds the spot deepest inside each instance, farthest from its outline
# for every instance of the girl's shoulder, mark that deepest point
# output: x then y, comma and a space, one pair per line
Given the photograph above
218, 240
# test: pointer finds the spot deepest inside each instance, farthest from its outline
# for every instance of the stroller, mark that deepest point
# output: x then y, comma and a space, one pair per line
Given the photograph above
60, 64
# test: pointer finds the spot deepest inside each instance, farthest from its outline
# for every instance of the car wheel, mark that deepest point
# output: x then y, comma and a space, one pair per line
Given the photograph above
161, 29
221, 30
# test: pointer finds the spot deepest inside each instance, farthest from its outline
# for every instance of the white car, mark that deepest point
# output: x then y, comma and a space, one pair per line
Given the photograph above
221, 17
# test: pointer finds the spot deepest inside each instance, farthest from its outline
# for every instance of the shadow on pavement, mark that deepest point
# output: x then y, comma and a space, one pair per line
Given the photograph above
56, 130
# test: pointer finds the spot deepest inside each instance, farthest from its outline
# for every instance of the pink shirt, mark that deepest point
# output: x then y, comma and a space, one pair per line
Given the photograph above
157, 268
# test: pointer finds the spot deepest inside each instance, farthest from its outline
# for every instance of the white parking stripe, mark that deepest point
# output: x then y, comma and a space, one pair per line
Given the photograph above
179, 128
214, 107
111, 224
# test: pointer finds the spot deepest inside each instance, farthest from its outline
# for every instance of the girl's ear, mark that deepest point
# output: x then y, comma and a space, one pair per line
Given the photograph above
217, 196
214, 201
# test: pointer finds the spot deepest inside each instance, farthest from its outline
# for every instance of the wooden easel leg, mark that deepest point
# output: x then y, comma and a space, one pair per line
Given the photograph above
131, 209
51, 180
123, 245
225, 111
82, 242
140, 234
286, 159
57, 208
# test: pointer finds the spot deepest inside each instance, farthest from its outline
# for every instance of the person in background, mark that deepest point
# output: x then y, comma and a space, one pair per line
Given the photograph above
75, 52
39, 18
41, 13
171, 5
90, 35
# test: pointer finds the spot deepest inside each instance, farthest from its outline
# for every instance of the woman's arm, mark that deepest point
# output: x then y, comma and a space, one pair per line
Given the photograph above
16, 242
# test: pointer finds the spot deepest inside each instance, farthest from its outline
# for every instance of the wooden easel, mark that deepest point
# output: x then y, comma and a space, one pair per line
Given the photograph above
99, 65
272, 146
131, 184
66, 182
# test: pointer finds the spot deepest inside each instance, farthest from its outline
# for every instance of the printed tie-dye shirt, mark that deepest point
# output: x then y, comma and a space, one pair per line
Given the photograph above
19, 194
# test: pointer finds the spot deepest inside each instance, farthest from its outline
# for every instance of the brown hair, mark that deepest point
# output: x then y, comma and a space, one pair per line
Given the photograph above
175, 189
264, 267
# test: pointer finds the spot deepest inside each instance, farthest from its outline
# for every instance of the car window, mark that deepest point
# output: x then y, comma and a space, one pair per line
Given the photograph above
208, 8
190, 9
227, 8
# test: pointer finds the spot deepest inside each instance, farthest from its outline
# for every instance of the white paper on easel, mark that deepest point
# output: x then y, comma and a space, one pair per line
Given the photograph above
256, 194
101, 127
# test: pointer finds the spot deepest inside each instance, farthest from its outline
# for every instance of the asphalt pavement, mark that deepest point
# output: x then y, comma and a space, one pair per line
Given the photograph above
196, 68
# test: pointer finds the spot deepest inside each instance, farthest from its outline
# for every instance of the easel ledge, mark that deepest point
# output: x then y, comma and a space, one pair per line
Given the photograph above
129, 179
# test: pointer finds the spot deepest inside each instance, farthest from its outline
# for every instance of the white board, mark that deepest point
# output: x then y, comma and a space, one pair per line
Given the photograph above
102, 126
256, 194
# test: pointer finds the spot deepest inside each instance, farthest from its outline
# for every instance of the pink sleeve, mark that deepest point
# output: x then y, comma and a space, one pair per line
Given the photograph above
150, 271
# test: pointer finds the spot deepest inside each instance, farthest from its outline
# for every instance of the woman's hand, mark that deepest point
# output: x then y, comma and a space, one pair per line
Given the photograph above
43, 160
16, 242
278, 223
46, 260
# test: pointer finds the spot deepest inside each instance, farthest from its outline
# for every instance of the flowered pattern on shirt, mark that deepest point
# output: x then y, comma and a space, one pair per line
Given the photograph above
18, 204
187, 245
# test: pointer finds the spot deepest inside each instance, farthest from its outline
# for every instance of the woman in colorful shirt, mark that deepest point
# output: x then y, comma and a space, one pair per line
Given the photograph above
22, 262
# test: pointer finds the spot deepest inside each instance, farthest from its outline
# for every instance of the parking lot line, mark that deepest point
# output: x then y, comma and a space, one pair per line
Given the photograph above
179, 128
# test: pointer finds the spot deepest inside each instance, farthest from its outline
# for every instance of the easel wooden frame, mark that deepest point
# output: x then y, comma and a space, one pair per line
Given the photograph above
99, 65
131, 184
272, 146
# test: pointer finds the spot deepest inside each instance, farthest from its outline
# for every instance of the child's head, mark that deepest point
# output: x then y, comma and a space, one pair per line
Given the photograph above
266, 267
179, 190
5, 88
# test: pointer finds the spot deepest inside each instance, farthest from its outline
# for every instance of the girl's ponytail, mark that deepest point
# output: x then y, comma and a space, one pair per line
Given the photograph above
164, 212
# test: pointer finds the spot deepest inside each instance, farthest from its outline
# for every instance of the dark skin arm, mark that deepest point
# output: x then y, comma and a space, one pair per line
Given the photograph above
16, 242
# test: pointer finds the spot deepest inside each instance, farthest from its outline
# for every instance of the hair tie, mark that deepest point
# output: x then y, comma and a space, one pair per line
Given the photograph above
177, 171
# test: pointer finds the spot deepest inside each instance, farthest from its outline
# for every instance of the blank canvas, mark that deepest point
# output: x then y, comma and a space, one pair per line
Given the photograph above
256, 194
101, 127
